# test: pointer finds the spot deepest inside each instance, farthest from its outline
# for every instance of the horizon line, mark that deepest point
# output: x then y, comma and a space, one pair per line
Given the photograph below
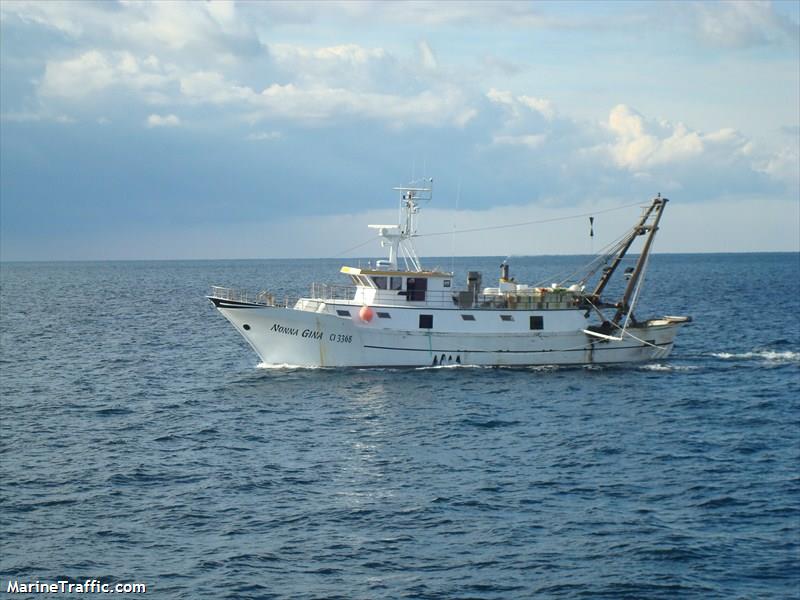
112, 260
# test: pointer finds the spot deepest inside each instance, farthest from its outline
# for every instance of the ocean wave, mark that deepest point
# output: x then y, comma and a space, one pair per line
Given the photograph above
453, 366
768, 355
668, 368
284, 367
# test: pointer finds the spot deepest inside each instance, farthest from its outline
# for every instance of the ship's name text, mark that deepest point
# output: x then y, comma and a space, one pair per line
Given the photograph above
311, 334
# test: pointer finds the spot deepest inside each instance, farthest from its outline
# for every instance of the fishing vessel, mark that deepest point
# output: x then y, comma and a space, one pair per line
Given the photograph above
396, 313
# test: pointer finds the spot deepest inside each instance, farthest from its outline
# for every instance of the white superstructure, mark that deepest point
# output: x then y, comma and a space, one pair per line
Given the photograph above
399, 314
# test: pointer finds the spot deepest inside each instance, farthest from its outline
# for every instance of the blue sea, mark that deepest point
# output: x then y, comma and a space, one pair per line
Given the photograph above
141, 441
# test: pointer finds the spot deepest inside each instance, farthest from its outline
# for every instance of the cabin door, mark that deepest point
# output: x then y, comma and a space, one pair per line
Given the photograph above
416, 288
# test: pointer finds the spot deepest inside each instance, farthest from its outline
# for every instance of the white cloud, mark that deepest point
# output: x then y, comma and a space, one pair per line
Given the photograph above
542, 106
516, 105
204, 31
212, 87
345, 65
527, 121
741, 24
317, 93
94, 71
163, 121
344, 54
783, 166
531, 141
640, 144
320, 95
436, 108
80, 76
427, 57
262, 136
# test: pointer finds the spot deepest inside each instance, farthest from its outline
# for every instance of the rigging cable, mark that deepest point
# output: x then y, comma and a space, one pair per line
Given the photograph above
343, 252
454, 231
510, 225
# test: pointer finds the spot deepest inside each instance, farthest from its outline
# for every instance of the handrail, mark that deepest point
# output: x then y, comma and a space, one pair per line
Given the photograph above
533, 299
540, 298
242, 295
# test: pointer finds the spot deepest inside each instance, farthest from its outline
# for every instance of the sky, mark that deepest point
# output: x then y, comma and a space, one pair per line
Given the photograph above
169, 130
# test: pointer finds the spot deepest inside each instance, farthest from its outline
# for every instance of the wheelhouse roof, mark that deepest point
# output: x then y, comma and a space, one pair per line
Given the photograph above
381, 272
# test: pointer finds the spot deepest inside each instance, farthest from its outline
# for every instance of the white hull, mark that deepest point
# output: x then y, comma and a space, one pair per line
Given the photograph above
298, 337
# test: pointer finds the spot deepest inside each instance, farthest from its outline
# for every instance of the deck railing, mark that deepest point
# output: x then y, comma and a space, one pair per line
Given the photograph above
324, 291
443, 299
242, 295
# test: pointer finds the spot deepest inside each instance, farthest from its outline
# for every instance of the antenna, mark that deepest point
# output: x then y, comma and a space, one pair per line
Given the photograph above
399, 238
455, 226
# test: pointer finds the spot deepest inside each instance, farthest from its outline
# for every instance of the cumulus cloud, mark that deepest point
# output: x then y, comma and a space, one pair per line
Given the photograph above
527, 122
264, 136
208, 30
94, 71
517, 105
639, 144
163, 121
784, 165
445, 106
321, 92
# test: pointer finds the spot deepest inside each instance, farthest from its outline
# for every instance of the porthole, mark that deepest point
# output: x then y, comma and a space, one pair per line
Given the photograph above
246, 327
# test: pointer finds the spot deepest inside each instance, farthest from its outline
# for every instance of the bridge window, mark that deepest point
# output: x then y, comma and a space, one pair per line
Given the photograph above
395, 283
426, 321
537, 322
380, 282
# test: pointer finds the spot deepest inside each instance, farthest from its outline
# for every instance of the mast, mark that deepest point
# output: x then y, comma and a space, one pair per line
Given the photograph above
658, 206
399, 238
638, 229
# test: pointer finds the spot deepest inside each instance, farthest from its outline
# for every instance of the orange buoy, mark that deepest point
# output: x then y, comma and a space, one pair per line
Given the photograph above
366, 314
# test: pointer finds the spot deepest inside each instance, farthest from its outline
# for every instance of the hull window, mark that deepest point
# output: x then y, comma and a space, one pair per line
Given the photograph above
507, 317
537, 322
426, 321
343, 313
383, 315
468, 317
